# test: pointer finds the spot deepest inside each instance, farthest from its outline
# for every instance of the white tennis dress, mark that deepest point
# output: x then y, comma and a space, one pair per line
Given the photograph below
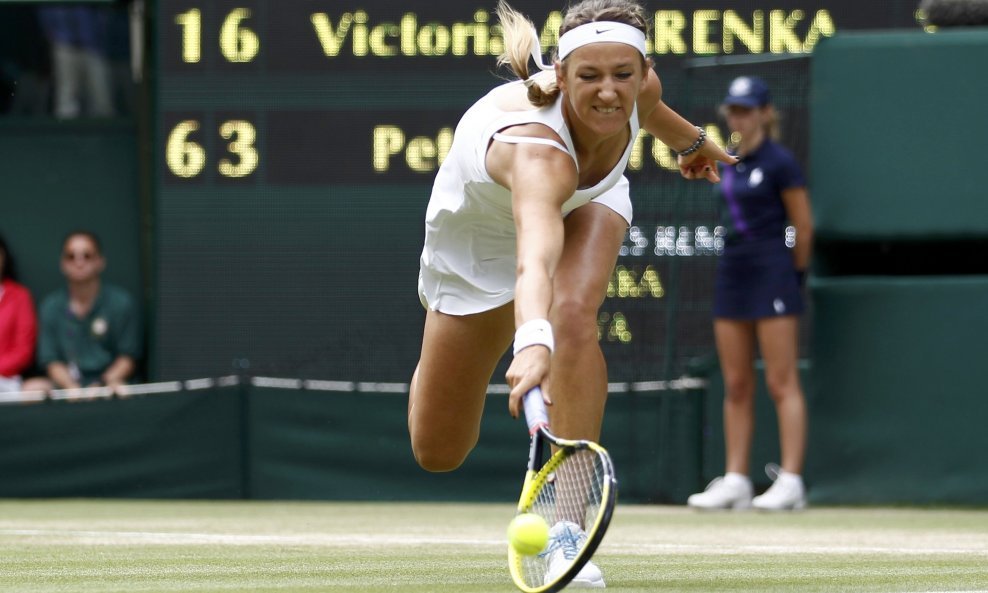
469, 259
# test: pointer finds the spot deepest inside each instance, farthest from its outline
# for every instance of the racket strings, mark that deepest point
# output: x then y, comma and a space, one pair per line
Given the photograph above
570, 502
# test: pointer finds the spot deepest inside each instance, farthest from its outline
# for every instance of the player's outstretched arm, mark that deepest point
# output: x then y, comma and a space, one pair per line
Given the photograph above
541, 178
680, 135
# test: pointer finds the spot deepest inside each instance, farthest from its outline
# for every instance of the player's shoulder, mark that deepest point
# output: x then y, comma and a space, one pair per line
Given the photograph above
512, 96
543, 123
532, 129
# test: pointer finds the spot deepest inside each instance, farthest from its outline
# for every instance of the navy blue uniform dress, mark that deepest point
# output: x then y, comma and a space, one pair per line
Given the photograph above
756, 277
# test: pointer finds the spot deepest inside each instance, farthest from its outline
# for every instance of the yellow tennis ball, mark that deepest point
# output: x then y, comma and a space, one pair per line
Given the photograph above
528, 534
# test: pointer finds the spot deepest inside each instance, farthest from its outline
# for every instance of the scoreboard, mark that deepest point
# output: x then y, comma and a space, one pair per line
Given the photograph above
295, 142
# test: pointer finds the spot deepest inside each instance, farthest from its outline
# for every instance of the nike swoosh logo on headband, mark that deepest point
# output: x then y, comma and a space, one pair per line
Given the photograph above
599, 31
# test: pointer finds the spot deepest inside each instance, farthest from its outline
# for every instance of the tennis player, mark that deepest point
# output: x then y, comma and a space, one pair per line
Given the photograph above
527, 214
758, 298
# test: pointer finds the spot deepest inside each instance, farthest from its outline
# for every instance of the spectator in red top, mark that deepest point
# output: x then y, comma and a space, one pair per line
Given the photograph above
18, 325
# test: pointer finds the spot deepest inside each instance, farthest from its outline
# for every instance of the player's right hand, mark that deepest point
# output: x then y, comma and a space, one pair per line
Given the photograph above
529, 369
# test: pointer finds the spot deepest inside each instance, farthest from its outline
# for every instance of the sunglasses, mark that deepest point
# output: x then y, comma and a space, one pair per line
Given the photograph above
83, 255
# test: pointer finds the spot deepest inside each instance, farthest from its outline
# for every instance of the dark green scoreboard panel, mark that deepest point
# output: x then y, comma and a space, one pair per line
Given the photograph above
296, 141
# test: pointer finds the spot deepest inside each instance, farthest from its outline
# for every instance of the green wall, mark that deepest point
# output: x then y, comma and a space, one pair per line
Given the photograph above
897, 135
244, 441
185, 445
884, 429
897, 400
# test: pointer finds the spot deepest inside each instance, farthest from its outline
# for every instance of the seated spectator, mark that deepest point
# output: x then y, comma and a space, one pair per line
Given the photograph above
18, 325
90, 331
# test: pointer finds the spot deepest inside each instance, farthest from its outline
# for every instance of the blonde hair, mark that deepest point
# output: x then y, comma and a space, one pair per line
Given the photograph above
519, 38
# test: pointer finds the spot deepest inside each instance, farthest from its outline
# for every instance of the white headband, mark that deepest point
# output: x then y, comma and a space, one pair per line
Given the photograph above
592, 32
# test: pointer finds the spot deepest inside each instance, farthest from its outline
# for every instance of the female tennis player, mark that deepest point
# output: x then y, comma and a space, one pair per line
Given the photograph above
527, 214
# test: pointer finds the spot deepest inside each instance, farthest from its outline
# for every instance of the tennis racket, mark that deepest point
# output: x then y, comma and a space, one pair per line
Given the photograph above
574, 491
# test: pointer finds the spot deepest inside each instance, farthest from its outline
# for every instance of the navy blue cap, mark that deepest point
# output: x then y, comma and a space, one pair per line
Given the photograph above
748, 91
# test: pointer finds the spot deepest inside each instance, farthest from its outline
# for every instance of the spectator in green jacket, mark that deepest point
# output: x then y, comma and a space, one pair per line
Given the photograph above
90, 332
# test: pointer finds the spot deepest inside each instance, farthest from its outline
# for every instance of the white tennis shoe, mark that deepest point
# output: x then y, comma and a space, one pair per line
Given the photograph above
787, 492
731, 491
565, 541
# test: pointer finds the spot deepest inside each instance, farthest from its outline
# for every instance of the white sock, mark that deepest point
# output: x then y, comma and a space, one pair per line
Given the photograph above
736, 478
790, 477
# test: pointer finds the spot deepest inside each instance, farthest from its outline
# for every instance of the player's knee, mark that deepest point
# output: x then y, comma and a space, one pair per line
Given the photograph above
437, 460
437, 445
437, 454
574, 320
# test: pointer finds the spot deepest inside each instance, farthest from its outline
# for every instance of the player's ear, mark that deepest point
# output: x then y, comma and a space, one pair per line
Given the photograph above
560, 75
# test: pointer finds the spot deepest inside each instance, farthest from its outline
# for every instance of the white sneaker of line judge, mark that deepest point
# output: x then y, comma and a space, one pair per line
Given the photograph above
566, 539
787, 492
731, 491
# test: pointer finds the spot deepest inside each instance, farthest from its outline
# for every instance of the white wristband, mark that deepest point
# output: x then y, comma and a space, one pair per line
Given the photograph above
532, 333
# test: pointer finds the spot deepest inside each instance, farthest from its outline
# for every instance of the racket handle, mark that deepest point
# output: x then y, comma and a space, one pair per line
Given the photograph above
535, 413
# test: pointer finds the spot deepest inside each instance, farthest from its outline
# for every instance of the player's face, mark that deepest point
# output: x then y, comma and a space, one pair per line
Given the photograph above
81, 259
601, 82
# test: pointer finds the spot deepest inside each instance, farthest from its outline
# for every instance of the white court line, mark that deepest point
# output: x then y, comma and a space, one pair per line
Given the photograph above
733, 550
641, 548
173, 538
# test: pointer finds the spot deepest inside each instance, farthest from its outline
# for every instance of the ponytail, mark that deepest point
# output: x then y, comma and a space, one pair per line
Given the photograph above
520, 38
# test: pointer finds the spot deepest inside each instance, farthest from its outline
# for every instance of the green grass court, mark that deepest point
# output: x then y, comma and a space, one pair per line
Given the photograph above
84, 546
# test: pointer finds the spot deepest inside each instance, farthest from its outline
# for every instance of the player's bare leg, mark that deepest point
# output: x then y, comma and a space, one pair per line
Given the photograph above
578, 377
449, 387
577, 381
